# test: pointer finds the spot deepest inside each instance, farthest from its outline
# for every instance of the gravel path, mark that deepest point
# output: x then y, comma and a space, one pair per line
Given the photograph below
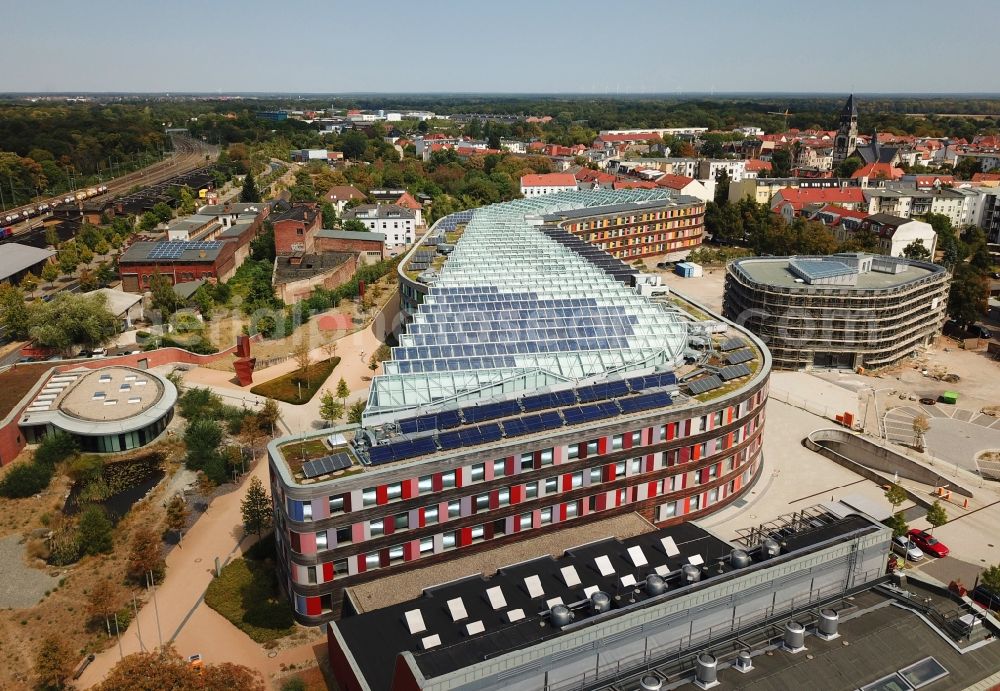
20, 585
392, 590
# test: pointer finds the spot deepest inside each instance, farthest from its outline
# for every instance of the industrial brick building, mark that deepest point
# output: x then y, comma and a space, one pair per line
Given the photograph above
841, 311
295, 229
535, 389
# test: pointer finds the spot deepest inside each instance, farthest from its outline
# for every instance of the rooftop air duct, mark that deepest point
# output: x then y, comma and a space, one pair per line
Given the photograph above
705, 671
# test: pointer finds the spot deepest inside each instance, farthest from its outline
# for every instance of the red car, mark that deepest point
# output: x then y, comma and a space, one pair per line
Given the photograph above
928, 543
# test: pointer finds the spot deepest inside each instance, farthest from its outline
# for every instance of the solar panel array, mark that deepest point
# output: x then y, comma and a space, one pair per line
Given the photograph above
732, 344
529, 307
421, 260
740, 356
173, 249
327, 465
734, 372
700, 386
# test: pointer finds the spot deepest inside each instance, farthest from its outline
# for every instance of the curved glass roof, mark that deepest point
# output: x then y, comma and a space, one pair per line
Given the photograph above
513, 310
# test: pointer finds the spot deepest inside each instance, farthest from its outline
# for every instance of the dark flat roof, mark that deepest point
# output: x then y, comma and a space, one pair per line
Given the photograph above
377, 637
311, 265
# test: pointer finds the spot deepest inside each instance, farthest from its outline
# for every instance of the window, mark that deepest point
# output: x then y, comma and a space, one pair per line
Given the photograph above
321, 542
377, 528
394, 491
426, 545
344, 536
478, 533
531, 490
577, 480
616, 442
591, 448
307, 511
573, 451
499, 467
337, 504
368, 496
595, 474
546, 457
311, 574
448, 480
573, 509
546, 515
482, 502
696, 502
478, 472
372, 560
449, 540
524, 521
636, 438
395, 554
425, 484
527, 461
504, 496
454, 509
431, 515
718, 419
551, 485
340, 567
401, 521
620, 469
702, 423
635, 466
667, 510
713, 496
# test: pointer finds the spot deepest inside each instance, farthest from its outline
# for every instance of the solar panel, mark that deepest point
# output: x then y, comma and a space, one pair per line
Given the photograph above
490, 411
652, 381
380, 454
734, 372
515, 427
732, 344
704, 384
448, 419
326, 465
490, 433
548, 400
658, 399
450, 440
739, 356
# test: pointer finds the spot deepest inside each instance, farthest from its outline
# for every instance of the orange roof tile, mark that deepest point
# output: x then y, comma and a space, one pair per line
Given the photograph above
548, 180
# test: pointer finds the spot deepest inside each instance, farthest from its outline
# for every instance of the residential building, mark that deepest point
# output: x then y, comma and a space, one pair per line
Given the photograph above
988, 212
533, 185
406, 201
295, 229
790, 202
683, 185
763, 189
396, 223
842, 311
896, 233
533, 390
341, 195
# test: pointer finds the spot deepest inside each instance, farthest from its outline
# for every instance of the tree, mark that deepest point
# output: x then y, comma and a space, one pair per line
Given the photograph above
177, 515
165, 669
102, 600
936, 515
381, 353
895, 495
354, 145
95, 531
781, 163
916, 250
990, 577
921, 423
202, 439
13, 311
898, 524
330, 409
165, 298
329, 215
145, 555
343, 390
52, 237
967, 299
722, 188
846, 168
256, 508
249, 194
354, 225
50, 272
53, 662
269, 416
355, 412
250, 432
29, 283
71, 319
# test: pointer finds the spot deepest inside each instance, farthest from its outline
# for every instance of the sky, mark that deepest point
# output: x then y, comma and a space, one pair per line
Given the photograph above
509, 46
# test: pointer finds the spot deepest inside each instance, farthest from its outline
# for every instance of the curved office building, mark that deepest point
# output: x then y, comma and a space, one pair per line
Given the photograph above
105, 410
536, 387
840, 311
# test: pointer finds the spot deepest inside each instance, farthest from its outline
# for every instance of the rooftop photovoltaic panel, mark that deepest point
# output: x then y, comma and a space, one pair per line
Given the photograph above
326, 465
734, 372
732, 344
704, 384
740, 356
173, 249
554, 399
645, 401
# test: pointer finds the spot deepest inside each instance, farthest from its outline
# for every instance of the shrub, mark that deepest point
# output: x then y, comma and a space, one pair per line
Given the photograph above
294, 684
25, 480
95, 530
54, 448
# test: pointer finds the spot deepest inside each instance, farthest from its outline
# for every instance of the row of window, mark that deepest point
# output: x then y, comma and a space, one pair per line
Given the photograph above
529, 520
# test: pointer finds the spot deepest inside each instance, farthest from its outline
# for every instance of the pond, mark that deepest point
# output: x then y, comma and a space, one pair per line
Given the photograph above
120, 485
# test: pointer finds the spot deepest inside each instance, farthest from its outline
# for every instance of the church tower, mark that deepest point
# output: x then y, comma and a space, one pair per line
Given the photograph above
847, 132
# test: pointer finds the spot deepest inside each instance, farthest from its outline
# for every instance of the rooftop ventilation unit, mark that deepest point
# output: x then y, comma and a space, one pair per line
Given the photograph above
770, 548
655, 585
706, 671
794, 639
739, 559
828, 623
650, 683
600, 602
560, 616
744, 663
690, 573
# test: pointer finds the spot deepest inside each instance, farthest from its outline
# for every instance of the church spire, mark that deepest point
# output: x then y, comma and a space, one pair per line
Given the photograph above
850, 108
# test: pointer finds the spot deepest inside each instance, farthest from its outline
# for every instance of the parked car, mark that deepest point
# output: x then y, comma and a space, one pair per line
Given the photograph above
985, 598
903, 546
928, 543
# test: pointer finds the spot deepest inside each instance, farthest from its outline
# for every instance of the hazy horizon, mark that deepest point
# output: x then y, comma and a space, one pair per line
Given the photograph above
306, 47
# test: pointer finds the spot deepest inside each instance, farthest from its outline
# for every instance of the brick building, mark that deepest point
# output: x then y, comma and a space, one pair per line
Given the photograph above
177, 261
295, 229
371, 246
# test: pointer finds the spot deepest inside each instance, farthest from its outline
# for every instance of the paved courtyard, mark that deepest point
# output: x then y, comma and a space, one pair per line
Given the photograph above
955, 436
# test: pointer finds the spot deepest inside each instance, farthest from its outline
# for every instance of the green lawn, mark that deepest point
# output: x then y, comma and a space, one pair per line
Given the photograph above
247, 595
287, 387
299, 452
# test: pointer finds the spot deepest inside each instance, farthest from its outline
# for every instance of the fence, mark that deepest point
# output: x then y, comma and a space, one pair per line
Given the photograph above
803, 404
